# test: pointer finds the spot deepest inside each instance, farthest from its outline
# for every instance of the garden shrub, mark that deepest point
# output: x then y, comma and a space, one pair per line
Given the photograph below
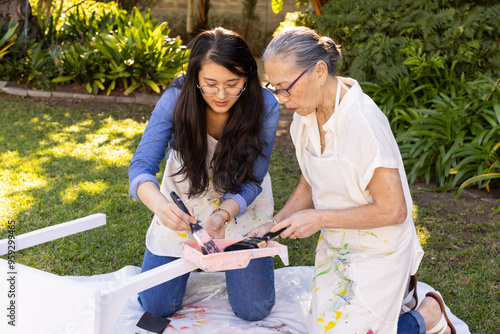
379, 36
98, 46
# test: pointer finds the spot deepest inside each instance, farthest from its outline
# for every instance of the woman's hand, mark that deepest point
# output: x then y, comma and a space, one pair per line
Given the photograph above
167, 212
301, 224
215, 225
174, 218
261, 230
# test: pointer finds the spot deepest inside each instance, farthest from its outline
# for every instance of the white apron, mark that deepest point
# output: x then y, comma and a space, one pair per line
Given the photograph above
160, 240
360, 275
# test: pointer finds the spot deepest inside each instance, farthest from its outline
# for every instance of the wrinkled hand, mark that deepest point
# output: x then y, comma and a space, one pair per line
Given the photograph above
175, 219
215, 226
301, 224
261, 230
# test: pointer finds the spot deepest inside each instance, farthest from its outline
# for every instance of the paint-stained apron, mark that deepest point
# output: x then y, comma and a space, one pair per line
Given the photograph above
360, 275
161, 240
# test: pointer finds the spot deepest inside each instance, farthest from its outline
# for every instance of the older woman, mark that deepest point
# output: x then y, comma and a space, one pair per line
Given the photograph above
353, 189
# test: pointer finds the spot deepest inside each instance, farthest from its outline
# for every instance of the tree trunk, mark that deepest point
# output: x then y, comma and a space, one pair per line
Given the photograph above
248, 19
11, 9
189, 18
317, 4
203, 8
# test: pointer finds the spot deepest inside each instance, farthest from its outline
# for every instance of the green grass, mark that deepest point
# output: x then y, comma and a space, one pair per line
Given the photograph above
59, 163
462, 258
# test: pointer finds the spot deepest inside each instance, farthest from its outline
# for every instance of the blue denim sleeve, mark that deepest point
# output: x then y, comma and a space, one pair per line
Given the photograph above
250, 190
146, 161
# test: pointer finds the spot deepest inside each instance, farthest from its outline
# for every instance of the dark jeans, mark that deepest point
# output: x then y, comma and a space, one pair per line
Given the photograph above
411, 323
250, 290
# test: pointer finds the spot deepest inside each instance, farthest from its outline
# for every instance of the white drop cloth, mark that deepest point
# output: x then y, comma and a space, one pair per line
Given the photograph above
206, 308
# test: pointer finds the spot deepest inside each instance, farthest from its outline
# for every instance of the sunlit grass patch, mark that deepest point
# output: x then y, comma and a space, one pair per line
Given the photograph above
59, 164
70, 194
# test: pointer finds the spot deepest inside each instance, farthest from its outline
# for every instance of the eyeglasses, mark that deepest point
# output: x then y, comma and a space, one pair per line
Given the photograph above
286, 92
209, 90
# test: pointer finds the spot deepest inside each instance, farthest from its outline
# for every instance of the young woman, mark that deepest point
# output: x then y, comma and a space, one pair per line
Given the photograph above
219, 125
353, 189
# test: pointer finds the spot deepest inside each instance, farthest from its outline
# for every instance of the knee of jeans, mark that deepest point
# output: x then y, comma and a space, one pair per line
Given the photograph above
160, 308
254, 312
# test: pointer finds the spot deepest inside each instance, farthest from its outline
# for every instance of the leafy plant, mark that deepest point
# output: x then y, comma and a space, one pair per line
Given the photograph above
98, 46
139, 54
453, 137
277, 5
375, 33
26, 61
9, 38
79, 64
295, 19
84, 24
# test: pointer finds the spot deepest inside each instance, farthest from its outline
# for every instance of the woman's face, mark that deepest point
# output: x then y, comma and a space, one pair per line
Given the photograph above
303, 100
214, 75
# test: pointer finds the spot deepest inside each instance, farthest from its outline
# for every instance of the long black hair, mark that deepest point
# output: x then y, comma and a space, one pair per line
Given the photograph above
241, 142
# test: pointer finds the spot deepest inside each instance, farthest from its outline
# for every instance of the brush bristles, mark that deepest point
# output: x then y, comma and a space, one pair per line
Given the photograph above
206, 243
248, 243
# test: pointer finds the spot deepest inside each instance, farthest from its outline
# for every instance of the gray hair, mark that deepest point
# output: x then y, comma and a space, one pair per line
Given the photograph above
304, 47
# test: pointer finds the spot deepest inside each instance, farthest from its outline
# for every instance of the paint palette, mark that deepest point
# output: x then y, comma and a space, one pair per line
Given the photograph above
230, 260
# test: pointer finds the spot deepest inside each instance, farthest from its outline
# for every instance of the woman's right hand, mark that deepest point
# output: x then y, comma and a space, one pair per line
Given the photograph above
167, 212
174, 218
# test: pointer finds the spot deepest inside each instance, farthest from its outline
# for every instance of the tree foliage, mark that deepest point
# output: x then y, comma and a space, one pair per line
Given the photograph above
381, 38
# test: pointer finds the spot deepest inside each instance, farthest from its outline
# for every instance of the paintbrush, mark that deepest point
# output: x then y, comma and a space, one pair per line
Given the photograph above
253, 242
207, 245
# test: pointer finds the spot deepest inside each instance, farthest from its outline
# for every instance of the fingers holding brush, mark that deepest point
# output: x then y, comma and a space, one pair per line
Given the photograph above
287, 233
283, 226
175, 219
262, 229
301, 224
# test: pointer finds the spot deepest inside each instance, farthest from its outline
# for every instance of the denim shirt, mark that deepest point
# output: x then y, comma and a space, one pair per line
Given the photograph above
158, 137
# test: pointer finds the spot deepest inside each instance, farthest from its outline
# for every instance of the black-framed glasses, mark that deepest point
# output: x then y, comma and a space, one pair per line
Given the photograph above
286, 92
210, 90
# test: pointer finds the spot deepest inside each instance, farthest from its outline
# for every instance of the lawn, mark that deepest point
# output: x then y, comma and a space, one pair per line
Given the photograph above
63, 161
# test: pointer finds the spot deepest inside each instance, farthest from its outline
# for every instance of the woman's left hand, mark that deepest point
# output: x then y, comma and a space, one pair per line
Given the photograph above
261, 230
215, 225
301, 224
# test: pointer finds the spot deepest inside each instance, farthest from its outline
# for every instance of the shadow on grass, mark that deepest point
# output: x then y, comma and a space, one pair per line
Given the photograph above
63, 163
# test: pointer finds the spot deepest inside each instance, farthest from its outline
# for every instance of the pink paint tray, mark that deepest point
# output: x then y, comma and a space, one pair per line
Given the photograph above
230, 260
